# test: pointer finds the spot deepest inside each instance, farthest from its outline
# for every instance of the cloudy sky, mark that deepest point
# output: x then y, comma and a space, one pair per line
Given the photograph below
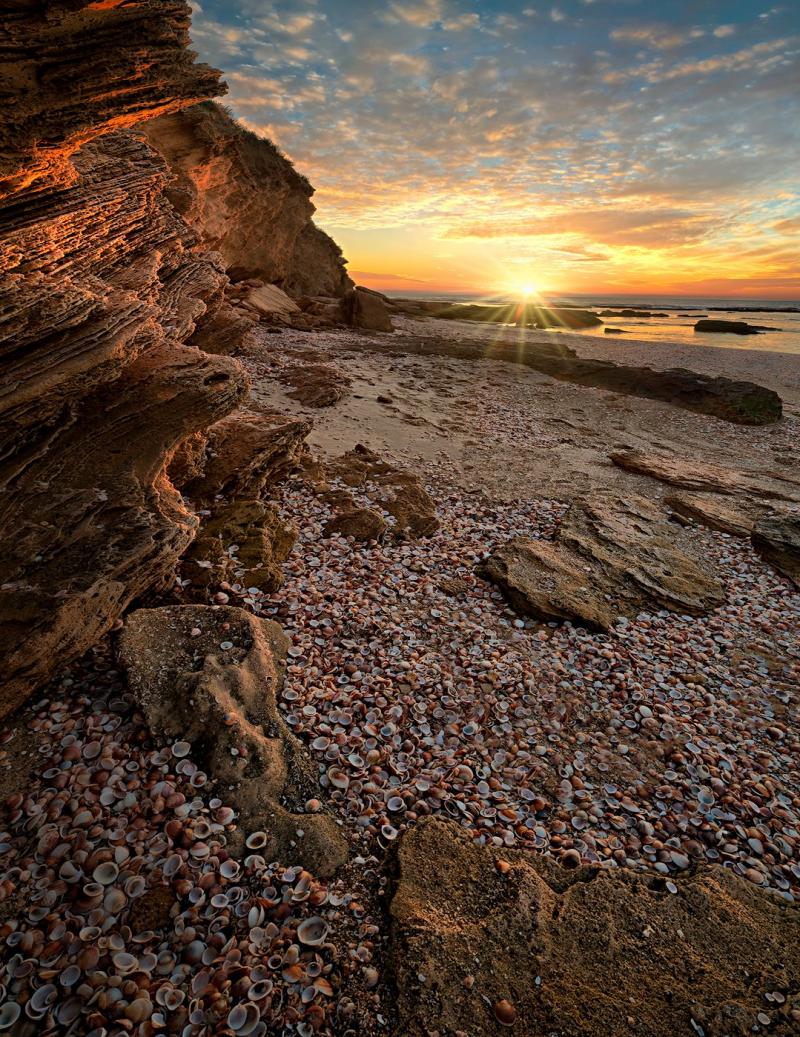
579, 146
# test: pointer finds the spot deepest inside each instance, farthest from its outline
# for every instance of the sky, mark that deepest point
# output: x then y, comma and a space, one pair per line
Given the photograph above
575, 147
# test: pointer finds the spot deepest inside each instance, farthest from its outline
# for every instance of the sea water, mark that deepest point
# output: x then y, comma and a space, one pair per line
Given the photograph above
676, 327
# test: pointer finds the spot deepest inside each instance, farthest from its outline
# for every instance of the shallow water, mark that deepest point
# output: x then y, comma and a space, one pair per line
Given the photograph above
678, 329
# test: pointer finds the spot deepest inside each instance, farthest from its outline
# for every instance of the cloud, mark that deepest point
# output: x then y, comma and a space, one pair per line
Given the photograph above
621, 141
660, 37
722, 31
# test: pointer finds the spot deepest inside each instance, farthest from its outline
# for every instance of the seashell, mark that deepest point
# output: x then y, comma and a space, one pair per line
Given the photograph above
229, 869
237, 1018
181, 749
69, 976
505, 1013
256, 840
114, 901
172, 865
135, 886
69, 1011
396, 803
312, 931
224, 815
338, 778
124, 962
9, 1014
202, 830
105, 873
89, 933
43, 997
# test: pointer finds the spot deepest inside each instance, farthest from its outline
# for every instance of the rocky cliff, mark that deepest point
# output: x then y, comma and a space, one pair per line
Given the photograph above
103, 286
245, 200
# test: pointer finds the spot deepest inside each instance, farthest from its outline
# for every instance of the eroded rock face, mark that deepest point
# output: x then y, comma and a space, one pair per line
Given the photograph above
246, 200
612, 557
209, 676
243, 454
103, 287
583, 952
776, 537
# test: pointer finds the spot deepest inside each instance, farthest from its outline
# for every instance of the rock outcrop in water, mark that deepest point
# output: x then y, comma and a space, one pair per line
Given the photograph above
245, 200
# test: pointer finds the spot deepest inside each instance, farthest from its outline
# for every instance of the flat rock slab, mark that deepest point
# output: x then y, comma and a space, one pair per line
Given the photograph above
584, 952
690, 474
612, 557
737, 517
209, 676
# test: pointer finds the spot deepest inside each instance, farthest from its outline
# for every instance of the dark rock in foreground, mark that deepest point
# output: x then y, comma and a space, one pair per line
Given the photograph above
612, 557
776, 537
209, 677
481, 934
743, 403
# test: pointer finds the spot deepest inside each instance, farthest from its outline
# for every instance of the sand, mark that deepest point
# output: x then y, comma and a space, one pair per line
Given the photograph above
513, 432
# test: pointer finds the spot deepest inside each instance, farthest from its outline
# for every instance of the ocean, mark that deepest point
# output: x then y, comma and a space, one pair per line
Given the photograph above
675, 326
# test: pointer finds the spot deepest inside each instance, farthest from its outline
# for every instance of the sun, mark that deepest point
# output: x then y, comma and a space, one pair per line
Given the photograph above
527, 290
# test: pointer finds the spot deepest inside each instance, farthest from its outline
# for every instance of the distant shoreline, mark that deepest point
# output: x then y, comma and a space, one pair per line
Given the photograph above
675, 303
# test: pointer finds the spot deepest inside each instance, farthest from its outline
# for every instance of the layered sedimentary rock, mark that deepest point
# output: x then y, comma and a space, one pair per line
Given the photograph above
246, 200
611, 558
485, 941
102, 289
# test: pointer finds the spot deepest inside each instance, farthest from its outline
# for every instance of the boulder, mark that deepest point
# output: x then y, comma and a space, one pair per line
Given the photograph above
209, 676
267, 299
244, 541
400, 492
776, 537
367, 310
612, 557
479, 935
315, 385
246, 452
360, 524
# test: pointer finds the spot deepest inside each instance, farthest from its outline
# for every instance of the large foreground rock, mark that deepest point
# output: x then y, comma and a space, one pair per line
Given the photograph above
776, 537
102, 290
209, 676
612, 557
582, 953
